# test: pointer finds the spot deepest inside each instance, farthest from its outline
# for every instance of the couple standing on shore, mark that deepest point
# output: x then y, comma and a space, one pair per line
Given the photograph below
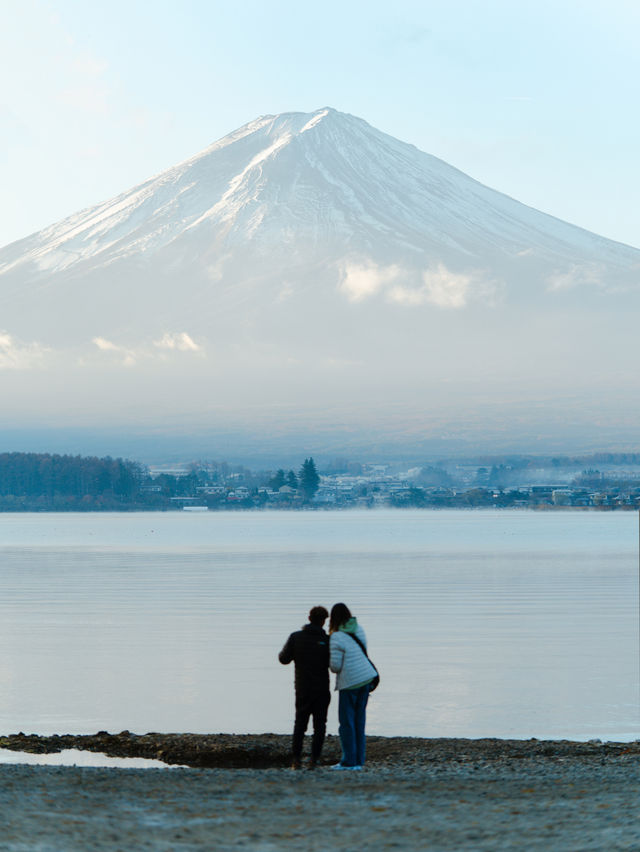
344, 651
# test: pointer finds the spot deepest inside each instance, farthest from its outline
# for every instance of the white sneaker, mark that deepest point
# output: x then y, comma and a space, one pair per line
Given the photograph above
340, 767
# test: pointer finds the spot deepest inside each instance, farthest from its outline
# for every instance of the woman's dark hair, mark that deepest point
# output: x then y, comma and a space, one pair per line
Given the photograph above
340, 614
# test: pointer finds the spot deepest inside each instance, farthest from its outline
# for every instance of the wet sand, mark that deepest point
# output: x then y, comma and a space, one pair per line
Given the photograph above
443, 794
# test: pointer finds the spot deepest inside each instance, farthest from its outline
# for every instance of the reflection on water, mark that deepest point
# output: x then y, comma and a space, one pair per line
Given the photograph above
482, 623
75, 757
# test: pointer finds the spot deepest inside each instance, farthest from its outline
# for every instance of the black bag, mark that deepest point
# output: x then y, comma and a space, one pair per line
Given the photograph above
375, 683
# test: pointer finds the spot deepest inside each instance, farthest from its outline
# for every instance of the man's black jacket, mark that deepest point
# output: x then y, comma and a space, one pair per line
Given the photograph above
309, 650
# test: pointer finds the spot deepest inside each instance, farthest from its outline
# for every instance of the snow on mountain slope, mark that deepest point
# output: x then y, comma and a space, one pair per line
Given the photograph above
327, 179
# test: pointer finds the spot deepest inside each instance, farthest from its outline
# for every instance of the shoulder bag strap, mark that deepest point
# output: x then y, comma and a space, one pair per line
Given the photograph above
364, 650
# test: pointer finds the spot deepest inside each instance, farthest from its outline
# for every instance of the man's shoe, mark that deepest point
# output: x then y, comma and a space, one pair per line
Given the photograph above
339, 767
295, 764
312, 764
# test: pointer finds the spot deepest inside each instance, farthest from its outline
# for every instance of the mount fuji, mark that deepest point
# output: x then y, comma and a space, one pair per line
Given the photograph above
309, 265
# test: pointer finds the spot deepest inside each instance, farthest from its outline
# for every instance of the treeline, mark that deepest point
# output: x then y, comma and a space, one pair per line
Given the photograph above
41, 482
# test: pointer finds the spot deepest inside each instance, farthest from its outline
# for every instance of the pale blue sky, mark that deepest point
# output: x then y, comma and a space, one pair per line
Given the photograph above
537, 99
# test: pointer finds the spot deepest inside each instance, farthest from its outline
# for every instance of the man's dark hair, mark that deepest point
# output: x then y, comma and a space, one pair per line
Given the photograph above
340, 614
318, 615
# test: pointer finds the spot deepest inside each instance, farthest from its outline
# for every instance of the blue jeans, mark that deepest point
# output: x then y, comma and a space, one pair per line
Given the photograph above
352, 715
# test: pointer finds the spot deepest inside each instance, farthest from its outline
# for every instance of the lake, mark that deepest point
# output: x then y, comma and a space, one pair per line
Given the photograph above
482, 623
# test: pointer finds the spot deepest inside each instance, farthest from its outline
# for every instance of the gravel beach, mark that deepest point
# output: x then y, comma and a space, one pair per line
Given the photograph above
414, 794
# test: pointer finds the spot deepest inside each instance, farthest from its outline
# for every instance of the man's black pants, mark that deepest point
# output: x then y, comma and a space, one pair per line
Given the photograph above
315, 704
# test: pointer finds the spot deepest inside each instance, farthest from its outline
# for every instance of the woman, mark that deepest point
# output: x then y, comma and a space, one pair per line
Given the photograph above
354, 675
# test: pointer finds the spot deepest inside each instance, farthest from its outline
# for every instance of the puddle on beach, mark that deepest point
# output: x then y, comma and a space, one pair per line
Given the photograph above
76, 757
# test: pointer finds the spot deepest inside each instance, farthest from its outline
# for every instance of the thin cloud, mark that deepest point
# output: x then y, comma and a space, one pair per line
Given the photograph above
439, 287
131, 355
128, 355
16, 355
180, 341
436, 286
576, 276
105, 345
362, 280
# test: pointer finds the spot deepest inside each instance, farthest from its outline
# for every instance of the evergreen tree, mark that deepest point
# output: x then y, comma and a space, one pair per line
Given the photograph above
276, 482
308, 479
292, 480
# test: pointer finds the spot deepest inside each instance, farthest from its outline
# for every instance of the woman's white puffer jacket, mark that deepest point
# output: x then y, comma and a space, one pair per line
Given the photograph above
347, 659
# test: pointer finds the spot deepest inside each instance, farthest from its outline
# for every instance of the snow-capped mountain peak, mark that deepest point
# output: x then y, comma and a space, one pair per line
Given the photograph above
294, 195
319, 177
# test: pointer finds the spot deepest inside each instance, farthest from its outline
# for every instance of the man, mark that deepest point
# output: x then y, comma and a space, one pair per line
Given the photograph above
309, 650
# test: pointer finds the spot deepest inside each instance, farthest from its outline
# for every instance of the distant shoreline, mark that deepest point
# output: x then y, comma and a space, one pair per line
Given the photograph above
41, 482
125, 510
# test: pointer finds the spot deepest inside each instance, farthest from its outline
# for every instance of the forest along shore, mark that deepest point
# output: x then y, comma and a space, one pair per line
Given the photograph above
272, 751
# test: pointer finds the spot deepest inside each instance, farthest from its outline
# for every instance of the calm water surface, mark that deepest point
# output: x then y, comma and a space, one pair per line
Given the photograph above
483, 623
